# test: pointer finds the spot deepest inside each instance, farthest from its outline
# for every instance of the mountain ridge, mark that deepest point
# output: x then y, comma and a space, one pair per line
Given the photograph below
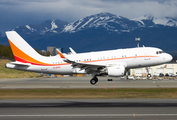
101, 32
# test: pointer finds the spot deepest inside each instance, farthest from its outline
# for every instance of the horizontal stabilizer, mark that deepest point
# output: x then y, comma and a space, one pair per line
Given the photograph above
20, 64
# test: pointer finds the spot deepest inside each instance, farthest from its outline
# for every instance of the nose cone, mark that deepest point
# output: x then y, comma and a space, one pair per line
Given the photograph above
169, 58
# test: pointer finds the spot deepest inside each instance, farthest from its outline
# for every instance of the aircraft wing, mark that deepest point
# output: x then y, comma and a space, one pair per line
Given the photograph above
89, 68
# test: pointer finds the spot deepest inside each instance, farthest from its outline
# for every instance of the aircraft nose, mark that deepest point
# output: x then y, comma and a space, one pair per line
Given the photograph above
169, 57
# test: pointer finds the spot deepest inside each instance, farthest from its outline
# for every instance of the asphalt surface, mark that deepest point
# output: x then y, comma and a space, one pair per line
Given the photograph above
98, 109
85, 109
83, 82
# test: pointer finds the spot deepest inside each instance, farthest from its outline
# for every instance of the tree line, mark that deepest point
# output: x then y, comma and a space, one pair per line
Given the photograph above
6, 52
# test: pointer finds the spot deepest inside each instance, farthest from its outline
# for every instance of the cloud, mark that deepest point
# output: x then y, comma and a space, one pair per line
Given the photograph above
20, 12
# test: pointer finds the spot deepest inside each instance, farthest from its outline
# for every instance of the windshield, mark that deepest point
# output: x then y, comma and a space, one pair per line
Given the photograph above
160, 52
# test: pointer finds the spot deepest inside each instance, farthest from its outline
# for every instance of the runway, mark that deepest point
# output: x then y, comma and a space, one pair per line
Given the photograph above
79, 109
96, 109
83, 82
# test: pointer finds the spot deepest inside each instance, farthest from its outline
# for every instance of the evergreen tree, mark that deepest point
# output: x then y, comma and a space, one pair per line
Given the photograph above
6, 52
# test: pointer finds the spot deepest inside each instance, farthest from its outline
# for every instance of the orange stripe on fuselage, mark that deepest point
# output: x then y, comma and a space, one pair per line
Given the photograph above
27, 59
123, 58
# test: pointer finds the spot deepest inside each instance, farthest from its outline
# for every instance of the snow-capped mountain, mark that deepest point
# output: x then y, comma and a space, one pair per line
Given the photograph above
105, 20
116, 23
100, 32
108, 21
49, 26
166, 21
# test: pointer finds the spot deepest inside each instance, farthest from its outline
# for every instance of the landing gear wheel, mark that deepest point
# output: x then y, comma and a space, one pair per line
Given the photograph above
110, 80
148, 75
94, 80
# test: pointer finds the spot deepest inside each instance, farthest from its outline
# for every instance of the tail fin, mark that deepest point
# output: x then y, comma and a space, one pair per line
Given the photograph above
22, 51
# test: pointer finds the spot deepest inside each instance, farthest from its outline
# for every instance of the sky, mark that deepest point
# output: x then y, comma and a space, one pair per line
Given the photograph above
23, 12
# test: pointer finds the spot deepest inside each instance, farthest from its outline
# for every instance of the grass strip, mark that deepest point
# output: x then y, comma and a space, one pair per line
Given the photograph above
12, 73
88, 93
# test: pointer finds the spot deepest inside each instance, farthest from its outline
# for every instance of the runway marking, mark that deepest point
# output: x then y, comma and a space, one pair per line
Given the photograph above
91, 115
105, 87
174, 95
114, 86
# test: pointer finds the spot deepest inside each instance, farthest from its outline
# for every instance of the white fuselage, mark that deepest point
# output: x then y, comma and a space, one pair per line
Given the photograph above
129, 58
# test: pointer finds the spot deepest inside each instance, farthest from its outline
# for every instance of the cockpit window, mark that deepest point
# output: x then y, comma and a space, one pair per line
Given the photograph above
160, 52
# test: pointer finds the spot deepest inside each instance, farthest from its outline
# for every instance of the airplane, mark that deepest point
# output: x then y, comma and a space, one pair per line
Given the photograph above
111, 63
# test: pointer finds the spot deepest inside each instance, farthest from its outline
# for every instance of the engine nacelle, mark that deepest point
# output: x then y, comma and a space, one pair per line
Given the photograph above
116, 71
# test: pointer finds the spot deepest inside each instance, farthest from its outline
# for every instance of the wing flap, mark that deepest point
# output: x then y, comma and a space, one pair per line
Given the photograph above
89, 68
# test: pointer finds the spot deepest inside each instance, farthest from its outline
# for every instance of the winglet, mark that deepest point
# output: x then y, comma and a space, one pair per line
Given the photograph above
61, 55
64, 58
72, 51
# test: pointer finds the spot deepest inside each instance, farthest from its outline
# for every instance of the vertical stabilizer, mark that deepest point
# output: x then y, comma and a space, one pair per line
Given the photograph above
22, 51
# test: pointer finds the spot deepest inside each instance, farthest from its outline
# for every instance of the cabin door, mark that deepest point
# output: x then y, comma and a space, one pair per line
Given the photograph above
146, 54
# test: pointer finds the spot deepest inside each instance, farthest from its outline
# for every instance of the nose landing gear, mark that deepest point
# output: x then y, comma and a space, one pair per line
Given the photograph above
94, 80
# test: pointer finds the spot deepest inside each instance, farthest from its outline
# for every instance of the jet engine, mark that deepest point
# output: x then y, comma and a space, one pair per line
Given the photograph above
116, 71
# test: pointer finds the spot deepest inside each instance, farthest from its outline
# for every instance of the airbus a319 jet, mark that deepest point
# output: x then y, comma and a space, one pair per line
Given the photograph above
113, 63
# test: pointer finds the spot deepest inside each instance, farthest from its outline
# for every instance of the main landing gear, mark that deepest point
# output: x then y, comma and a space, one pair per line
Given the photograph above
94, 80
148, 75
